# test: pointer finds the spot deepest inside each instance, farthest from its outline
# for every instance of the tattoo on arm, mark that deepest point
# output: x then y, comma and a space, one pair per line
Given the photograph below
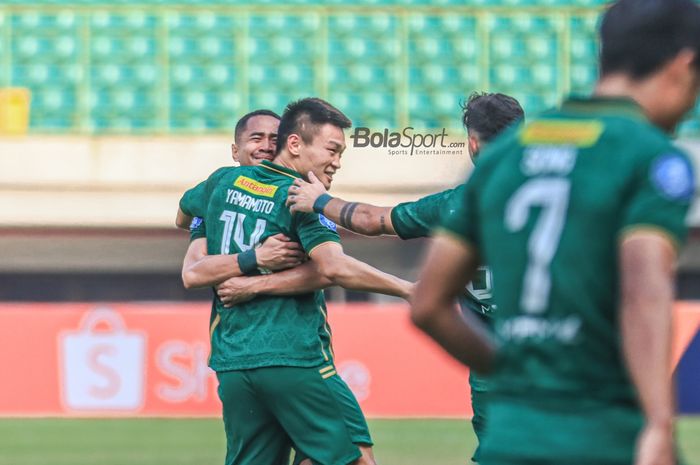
382, 225
346, 215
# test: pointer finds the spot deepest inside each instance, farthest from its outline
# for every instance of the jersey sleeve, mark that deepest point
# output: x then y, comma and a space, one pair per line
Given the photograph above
418, 218
313, 230
194, 201
460, 217
198, 229
663, 188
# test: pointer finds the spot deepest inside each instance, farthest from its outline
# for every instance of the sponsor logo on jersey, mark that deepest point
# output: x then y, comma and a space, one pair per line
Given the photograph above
327, 223
255, 187
196, 222
526, 327
672, 176
548, 159
562, 132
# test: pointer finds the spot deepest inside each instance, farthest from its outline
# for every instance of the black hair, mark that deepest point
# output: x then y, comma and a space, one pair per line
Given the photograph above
640, 36
489, 114
243, 122
305, 117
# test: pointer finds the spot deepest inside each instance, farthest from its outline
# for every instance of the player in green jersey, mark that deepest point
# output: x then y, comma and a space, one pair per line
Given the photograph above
255, 139
484, 116
286, 339
580, 214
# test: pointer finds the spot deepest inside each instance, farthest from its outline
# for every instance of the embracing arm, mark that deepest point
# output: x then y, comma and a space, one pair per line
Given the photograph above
647, 275
343, 270
298, 280
361, 218
182, 220
202, 270
448, 267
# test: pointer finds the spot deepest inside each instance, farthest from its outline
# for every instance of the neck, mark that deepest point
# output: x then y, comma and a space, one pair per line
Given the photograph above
285, 159
644, 92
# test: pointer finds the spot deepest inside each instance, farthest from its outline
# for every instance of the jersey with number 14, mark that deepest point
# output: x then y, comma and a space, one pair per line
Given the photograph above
245, 206
547, 206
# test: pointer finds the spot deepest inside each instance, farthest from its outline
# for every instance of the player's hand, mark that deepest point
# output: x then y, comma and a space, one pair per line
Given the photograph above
302, 195
236, 290
655, 446
278, 252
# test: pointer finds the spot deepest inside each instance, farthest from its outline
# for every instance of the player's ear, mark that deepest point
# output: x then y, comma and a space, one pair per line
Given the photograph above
294, 145
474, 145
234, 153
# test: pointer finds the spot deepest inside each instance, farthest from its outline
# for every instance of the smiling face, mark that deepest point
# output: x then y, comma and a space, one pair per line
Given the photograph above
257, 141
322, 155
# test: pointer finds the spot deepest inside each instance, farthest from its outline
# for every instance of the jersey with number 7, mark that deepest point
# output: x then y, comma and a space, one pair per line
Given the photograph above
546, 207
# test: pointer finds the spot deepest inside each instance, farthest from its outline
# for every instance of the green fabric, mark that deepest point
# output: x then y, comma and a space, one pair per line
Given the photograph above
267, 409
245, 206
567, 184
565, 431
194, 204
418, 218
194, 201
479, 399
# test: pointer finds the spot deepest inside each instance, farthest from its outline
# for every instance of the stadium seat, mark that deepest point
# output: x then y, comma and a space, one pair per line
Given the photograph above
190, 63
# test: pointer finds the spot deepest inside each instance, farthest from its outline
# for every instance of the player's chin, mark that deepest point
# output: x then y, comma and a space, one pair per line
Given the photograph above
327, 180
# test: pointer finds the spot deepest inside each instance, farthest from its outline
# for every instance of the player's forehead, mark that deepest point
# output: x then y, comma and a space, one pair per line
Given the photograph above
330, 135
261, 124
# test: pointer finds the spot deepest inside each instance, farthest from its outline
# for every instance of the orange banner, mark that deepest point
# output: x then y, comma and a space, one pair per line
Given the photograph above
151, 359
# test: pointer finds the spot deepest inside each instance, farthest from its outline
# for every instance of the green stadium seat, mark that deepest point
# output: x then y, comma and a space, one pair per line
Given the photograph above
285, 58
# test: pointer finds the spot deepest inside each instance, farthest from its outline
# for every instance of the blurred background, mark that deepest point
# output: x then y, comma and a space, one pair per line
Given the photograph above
109, 110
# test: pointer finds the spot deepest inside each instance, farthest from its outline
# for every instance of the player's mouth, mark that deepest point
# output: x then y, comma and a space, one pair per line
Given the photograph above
264, 156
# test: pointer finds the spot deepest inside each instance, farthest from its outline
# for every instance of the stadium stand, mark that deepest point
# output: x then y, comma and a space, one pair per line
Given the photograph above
193, 66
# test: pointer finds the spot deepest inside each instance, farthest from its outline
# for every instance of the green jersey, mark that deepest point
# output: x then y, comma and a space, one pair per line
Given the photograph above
547, 206
420, 217
194, 202
245, 206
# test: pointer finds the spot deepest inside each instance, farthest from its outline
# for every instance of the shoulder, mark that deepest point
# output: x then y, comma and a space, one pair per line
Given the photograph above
640, 136
221, 173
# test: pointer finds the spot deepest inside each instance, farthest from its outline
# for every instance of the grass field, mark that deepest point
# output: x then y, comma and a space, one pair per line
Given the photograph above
201, 441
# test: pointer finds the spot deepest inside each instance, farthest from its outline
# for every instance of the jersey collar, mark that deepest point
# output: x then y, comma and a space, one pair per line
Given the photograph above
614, 106
279, 169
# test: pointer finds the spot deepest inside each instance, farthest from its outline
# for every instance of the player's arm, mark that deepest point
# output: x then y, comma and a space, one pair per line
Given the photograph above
361, 218
182, 220
194, 202
201, 270
345, 271
449, 266
647, 275
298, 280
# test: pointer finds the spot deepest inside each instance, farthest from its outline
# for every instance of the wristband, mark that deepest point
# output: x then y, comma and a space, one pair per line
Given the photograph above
248, 262
321, 202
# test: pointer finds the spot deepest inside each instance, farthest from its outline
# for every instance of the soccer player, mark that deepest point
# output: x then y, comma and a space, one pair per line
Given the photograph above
580, 214
255, 139
484, 117
272, 354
